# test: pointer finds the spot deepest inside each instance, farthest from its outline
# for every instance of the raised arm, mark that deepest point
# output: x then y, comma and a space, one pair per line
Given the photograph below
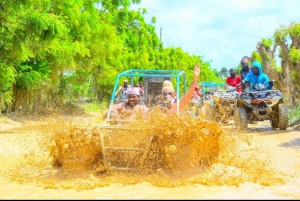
188, 95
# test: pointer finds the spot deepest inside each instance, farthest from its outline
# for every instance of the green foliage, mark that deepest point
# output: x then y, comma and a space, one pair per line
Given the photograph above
294, 30
255, 57
278, 69
27, 78
153, 19
7, 77
294, 55
267, 42
294, 113
281, 33
223, 73
94, 107
68, 49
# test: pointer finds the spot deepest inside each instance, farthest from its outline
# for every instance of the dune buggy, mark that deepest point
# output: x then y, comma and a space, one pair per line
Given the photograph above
130, 154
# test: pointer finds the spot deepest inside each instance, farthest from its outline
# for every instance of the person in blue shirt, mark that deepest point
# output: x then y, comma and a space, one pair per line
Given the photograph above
257, 76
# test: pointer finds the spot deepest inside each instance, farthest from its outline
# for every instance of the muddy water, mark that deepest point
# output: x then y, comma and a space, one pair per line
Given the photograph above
59, 159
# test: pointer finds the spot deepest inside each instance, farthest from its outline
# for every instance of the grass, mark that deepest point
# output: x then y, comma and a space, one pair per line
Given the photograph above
294, 113
94, 107
3, 119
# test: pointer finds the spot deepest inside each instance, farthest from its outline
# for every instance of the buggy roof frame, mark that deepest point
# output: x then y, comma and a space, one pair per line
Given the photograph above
149, 73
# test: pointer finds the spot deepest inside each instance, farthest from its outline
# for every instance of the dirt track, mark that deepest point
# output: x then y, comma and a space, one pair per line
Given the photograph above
279, 148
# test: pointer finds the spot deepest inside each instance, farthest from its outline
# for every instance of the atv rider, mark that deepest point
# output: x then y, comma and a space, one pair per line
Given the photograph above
128, 109
169, 101
245, 63
257, 76
234, 80
124, 89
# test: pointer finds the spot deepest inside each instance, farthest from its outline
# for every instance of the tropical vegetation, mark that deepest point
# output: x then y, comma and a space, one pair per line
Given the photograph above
54, 52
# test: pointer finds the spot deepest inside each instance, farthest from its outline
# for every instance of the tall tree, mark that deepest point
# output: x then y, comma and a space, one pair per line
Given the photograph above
287, 38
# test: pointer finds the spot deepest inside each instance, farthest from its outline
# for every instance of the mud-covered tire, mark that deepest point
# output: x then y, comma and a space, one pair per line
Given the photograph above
282, 116
240, 118
274, 122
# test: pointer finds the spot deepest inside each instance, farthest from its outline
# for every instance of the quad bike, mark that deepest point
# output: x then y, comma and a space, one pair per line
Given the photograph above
224, 103
257, 103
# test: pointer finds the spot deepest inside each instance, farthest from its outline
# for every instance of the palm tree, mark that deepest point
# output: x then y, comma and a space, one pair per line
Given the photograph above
223, 73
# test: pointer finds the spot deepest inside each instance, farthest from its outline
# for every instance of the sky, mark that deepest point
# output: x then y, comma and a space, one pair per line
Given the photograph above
221, 31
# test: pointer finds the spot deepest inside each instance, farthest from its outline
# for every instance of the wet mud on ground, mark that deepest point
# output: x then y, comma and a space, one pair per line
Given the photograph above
263, 164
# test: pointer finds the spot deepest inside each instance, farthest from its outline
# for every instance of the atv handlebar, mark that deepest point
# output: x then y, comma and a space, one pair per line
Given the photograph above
258, 87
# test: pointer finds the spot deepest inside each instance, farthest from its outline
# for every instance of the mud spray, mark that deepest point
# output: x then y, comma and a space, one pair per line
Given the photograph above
176, 151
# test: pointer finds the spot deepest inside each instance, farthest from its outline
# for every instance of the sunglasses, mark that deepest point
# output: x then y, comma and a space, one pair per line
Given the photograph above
169, 93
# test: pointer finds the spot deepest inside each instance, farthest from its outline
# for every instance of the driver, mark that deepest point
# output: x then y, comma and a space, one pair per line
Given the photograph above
257, 76
234, 80
128, 109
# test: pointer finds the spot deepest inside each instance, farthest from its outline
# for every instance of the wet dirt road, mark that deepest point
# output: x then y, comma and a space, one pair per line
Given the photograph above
277, 149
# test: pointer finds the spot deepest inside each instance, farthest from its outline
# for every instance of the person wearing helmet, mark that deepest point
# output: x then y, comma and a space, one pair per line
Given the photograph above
128, 109
245, 63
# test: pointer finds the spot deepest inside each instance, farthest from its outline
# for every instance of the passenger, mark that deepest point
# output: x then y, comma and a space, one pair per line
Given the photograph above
169, 101
234, 80
141, 88
127, 109
199, 92
123, 88
245, 63
196, 97
257, 76
208, 96
196, 101
141, 91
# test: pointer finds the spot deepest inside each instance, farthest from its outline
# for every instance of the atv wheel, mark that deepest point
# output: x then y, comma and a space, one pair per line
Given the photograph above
240, 118
274, 123
282, 117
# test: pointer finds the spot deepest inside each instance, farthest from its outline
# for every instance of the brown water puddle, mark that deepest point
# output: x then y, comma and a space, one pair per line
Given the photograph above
259, 164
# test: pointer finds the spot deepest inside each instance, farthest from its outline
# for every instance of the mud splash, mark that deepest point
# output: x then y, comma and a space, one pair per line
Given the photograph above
183, 151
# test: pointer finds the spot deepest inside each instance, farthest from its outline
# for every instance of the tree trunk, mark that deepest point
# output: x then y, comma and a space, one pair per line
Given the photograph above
283, 80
